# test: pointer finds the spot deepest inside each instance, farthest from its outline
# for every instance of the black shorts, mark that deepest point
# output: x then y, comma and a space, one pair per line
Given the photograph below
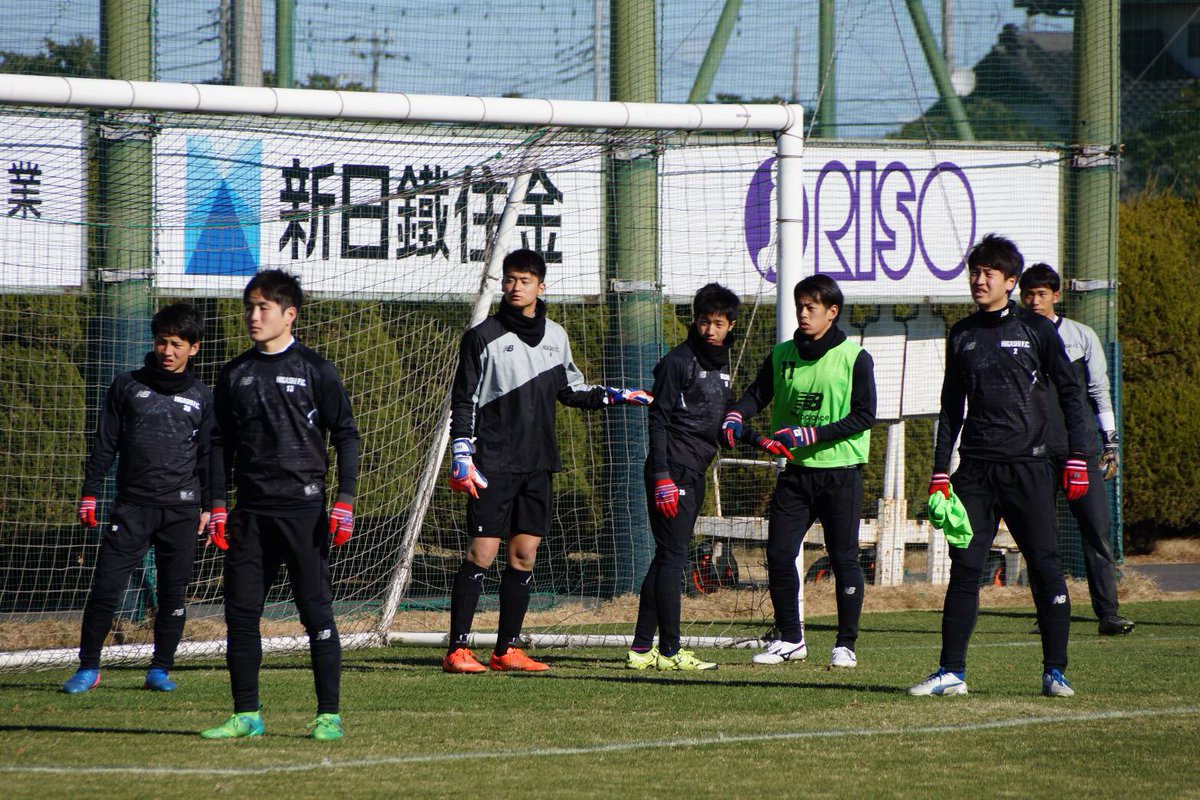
513, 502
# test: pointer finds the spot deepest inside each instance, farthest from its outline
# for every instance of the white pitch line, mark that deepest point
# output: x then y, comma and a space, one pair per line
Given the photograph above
614, 747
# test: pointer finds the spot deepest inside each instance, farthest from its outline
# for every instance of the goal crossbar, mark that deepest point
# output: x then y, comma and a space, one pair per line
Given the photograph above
391, 106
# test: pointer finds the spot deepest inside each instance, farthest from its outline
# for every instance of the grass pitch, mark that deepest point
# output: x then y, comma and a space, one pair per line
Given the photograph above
590, 728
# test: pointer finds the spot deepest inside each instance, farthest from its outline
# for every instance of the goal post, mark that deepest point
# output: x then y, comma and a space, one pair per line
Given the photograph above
395, 210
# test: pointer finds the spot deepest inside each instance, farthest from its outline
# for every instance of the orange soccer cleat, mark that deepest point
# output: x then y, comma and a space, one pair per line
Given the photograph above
462, 661
515, 660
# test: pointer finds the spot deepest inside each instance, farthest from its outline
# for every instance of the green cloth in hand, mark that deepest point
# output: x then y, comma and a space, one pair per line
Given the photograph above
949, 516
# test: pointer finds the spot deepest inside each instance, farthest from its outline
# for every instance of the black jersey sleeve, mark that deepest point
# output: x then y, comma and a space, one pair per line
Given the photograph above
467, 376
108, 435
333, 405
221, 442
670, 378
950, 418
575, 391
204, 439
1081, 429
760, 393
862, 402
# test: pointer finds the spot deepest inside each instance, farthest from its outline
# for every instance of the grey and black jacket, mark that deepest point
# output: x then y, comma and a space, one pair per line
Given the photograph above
512, 371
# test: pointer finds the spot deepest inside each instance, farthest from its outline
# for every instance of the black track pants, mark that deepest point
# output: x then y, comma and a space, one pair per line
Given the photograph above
131, 532
258, 546
1022, 493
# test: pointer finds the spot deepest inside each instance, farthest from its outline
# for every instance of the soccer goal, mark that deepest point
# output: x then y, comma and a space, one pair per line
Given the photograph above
395, 211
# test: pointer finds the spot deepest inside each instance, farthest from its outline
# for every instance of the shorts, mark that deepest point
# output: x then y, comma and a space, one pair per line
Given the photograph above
513, 502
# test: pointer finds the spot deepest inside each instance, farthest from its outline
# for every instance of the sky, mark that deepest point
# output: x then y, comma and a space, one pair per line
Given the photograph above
545, 48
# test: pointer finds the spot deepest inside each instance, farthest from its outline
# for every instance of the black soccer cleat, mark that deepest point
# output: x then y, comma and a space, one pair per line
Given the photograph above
1115, 626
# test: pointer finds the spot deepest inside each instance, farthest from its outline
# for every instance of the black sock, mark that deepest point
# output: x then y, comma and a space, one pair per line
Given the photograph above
514, 602
464, 599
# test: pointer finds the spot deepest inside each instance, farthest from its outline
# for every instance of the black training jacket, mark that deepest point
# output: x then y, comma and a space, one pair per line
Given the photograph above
158, 426
273, 414
1002, 365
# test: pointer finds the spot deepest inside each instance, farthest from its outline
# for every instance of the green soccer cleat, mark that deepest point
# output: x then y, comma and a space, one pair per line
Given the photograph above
241, 725
326, 728
636, 660
683, 661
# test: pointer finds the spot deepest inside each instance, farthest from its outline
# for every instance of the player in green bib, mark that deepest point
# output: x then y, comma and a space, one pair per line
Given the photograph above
823, 388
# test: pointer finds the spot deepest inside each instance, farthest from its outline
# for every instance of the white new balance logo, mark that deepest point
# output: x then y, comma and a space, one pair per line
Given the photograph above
1059, 599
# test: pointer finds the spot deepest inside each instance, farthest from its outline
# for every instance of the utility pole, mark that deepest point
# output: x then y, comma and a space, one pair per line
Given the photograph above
634, 293
376, 53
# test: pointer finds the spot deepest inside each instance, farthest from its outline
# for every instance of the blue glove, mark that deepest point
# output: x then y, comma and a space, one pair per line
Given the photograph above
615, 397
464, 477
731, 429
796, 437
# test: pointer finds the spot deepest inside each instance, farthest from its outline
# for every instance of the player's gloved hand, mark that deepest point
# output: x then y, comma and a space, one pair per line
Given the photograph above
731, 429
940, 482
216, 527
1110, 459
1075, 478
615, 397
464, 477
341, 523
796, 437
775, 448
666, 497
87, 512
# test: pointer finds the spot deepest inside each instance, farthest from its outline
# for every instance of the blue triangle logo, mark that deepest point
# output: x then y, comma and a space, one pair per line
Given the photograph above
221, 248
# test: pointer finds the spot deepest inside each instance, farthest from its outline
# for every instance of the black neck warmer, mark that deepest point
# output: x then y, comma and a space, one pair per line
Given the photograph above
990, 318
529, 330
810, 349
161, 380
709, 356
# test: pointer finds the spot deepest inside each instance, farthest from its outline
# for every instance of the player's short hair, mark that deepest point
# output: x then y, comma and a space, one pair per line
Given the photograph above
997, 252
276, 286
525, 261
1040, 276
713, 298
821, 288
179, 319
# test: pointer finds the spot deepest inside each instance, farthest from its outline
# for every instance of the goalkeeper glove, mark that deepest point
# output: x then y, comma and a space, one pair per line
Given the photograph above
87, 511
216, 528
1110, 459
666, 497
341, 523
1075, 478
464, 477
775, 448
940, 482
616, 397
796, 437
731, 429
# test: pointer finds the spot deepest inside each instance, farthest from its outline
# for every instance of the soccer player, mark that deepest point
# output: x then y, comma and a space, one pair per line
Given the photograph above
1001, 361
823, 388
512, 369
691, 395
276, 404
1041, 289
157, 423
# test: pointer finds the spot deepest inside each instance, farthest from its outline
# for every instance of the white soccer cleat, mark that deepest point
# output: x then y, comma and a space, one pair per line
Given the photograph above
941, 684
780, 651
843, 658
1054, 684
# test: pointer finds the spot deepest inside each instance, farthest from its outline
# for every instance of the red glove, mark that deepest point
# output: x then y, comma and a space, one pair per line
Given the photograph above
775, 448
940, 482
216, 527
796, 437
87, 512
1075, 478
666, 497
464, 477
731, 429
341, 523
